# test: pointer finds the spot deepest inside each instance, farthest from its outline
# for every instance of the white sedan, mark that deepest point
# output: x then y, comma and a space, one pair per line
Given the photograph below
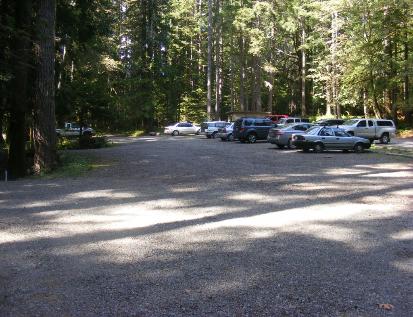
182, 128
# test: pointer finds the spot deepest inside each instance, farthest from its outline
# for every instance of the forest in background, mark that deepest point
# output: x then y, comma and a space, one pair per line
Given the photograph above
139, 64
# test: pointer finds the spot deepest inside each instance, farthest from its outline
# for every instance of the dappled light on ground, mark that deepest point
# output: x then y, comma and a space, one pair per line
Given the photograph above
155, 235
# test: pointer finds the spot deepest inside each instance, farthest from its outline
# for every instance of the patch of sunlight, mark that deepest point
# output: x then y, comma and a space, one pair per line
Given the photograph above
345, 171
101, 194
403, 235
405, 265
395, 166
290, 220
404, 192
398, 174
255, 197
184, 190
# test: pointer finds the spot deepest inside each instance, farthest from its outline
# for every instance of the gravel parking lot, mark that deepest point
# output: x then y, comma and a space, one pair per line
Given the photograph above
189, 226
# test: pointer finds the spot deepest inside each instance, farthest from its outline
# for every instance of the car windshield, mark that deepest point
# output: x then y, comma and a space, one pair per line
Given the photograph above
312, 130
350, 122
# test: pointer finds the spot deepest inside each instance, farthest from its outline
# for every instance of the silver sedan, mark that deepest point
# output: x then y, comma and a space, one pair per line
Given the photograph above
327, 138
182, 128
282, 136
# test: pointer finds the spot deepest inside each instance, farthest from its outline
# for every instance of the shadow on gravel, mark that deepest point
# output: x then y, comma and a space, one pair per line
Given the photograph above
182, 235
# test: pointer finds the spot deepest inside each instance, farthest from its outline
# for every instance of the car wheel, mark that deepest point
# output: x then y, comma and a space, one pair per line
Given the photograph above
385, 138
213, 135
280, 146
358, 148
198, 132
223, 139
318, 147
230, 137
290, 144
208, 136
252, 138
175, 133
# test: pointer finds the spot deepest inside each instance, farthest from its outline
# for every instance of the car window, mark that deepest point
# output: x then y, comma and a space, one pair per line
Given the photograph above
350, 122
180, 125
259, 123
300, 127
313, 130
370, 123
247, 123
341, 133
326, 132
362, 123
290, 120
384, 123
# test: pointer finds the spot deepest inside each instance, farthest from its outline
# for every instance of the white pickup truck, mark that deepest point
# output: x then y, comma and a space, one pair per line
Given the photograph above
372, 129
73, 129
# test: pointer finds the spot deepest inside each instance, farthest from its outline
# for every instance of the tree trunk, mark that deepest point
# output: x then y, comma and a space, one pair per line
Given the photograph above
242, 74
20, 98
303, 70
408, 106
209, 74
218, 64
256, 101
44, 114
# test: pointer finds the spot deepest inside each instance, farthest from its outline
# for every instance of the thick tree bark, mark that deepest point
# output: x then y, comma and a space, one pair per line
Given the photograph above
20, 97
209, 74
44, 114
256, 102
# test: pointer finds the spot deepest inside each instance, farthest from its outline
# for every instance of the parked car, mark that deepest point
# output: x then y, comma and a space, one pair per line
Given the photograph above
251, 129
282, 136
210, 128
182, 128
225, 134
72, 129
284, 121
276, 117
372, 129
329, 122
320, 138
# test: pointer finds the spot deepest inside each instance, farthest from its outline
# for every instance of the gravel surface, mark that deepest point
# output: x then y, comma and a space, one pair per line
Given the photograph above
188, 226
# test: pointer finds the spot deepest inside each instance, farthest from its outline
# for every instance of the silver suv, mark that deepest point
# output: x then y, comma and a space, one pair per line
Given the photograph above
372, 129
210, 128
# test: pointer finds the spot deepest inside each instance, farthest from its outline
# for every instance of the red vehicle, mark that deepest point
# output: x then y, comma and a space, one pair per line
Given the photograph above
275, 117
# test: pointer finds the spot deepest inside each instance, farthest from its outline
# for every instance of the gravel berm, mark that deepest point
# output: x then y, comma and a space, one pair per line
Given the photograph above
189, 226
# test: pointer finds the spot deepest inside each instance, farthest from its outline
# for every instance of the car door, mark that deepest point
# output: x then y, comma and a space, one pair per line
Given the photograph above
361, 129
343, 140
328, 138
181, 128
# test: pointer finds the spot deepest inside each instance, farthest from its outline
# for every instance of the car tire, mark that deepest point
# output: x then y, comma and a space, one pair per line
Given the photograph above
252, 138
213, 135
223, 139
208, 136
290, 144
385, 139
175, 133
230, 138
198, 132
319, 147
281, 146
358, 148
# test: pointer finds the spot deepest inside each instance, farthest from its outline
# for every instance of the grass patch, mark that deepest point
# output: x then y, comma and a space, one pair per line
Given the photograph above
405, 133
388, 149
136, 133
74, 165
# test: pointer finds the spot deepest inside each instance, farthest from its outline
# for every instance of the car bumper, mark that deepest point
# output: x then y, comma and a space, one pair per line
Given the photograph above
275, 140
